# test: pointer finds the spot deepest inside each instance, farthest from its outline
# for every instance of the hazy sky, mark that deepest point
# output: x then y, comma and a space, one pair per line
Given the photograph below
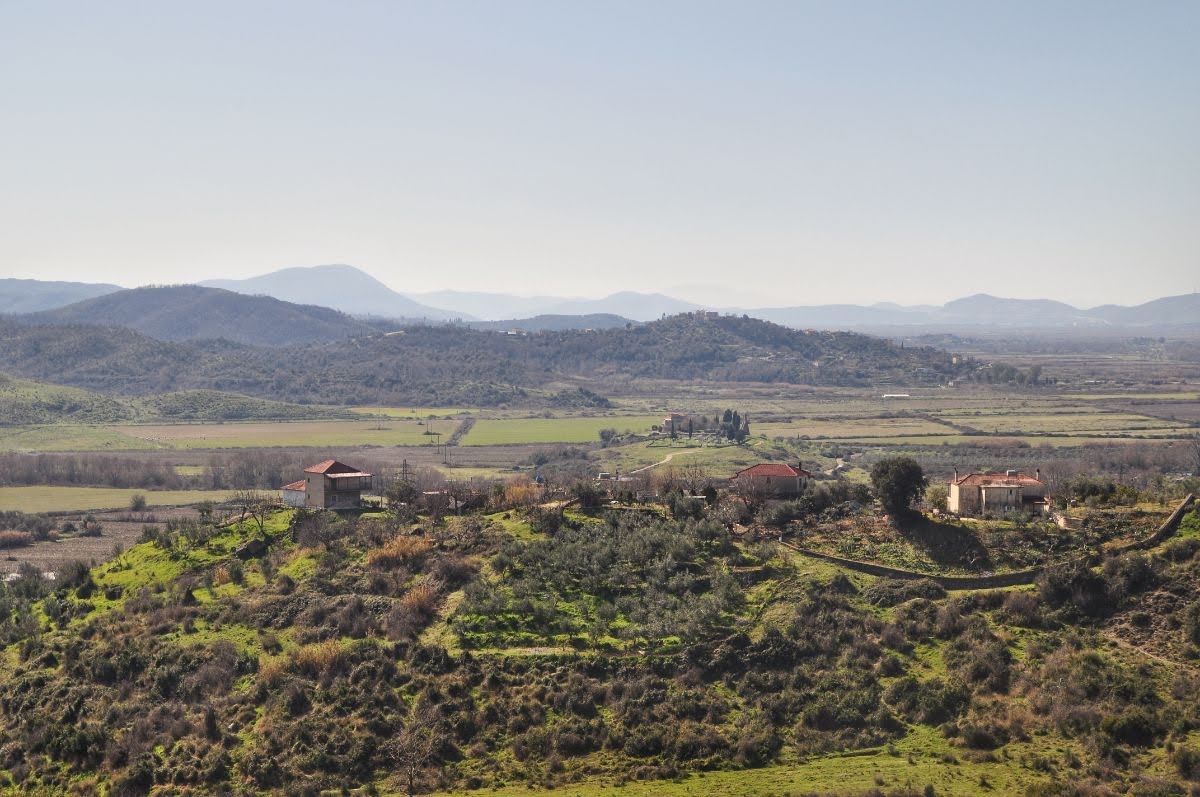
790, 153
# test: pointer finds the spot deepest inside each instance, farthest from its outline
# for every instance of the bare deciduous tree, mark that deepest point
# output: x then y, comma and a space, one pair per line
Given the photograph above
414, 748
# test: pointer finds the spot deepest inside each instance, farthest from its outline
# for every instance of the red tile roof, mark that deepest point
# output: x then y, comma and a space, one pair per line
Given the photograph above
771, 469
998, 480
330, 466
297, 487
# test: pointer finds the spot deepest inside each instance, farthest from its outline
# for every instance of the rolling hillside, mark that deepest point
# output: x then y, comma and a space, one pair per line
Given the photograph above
502, 651
25, 402
452, 365
190, 312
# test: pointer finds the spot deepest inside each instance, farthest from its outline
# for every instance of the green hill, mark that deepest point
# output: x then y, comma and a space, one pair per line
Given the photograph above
483, 653
25, 402
458, 366
190, 312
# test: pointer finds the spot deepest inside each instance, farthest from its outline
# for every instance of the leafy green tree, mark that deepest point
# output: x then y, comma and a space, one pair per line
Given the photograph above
937, 496
898, 483
401, 492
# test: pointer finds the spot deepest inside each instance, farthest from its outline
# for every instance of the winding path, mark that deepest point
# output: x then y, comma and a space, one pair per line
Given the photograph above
662, 461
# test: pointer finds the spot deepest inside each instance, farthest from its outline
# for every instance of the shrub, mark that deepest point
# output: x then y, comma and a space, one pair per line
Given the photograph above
894, 591
984, 736
1187, 762
1022, 608
15, 539
1191, 623
1074, 584
544, 520
1181, 550
137, 502
1135, 726
422, 598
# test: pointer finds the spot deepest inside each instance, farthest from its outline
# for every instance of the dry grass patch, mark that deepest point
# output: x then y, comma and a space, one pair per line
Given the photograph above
318, 658
398, 551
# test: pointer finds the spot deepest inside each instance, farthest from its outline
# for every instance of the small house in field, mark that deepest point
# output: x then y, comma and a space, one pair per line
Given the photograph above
999, 493
328, 485
293, 494
772, 480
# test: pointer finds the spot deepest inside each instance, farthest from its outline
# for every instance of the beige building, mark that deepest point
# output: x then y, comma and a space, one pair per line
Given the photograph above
998, 493
771, 480
328, 485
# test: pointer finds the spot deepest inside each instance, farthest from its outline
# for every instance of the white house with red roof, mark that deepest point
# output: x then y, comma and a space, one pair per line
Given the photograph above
1000, 493
328, 485
772, 480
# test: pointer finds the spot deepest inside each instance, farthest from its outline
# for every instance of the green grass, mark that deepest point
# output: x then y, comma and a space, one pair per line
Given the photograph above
516, 431
287, 433
70, 499
922, 758
66, 437
1189, 526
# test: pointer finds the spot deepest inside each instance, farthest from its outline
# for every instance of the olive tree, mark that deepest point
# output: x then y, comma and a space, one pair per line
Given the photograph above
898, 483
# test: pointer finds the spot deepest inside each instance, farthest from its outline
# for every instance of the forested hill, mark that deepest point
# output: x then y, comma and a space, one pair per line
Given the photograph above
460, 365
190, 312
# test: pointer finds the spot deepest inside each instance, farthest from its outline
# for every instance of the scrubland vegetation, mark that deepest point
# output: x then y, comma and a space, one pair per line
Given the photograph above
325, 652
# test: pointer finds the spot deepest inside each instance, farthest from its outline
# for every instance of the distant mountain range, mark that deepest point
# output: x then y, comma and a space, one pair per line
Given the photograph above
190, 312
356, 293
31, 296
344, 288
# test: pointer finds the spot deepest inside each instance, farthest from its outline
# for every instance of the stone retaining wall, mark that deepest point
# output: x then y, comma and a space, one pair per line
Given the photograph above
1015, 578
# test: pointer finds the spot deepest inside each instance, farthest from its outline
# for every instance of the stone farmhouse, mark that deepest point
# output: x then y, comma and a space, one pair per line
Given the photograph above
772, 480
328, 485
998, 493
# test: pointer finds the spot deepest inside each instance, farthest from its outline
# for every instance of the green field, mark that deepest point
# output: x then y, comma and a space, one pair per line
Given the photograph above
66, 437
850, 427
844, 415
67, 499
516, 431
287, 433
